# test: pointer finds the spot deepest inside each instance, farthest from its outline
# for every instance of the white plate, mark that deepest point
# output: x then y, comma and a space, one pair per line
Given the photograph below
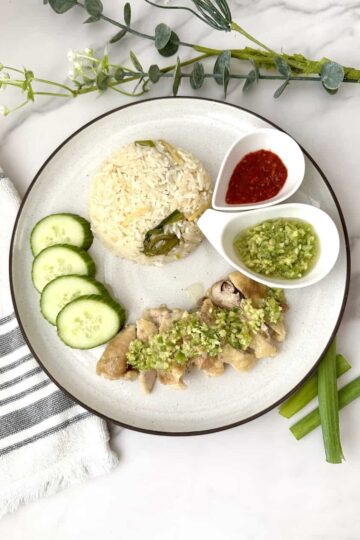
207, 128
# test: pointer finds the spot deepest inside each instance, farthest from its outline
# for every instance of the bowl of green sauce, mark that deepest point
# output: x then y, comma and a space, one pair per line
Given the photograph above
289, 245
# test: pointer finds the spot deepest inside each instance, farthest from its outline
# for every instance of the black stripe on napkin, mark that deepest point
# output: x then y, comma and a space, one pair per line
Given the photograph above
11, 341
20, 378
45, 433
16, 363
35, 413
24, 393
8, 318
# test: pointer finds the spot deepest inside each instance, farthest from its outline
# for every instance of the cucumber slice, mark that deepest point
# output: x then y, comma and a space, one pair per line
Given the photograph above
89, 321
60, 260
65, 289
60, 229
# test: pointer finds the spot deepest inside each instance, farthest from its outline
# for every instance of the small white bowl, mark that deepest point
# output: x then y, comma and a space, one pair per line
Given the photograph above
220, 229
262, 139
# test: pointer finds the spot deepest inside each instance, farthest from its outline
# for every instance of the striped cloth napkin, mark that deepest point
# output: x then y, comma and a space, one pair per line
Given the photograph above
47, 442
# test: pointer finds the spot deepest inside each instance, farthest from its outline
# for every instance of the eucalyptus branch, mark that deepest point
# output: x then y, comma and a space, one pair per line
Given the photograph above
97, 74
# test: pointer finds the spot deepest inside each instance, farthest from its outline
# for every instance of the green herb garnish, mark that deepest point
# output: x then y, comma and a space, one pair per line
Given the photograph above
157, 242
190, 337
145, 143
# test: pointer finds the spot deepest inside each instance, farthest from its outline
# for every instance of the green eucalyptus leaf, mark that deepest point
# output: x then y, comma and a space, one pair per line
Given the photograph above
162, 35
256, 69
93, 7
91, 19
280, 90
127, 14
226, 79
172, 42
135, 61
222, 63
331, 92
251, 79
154, 73
197, 76
332, 75
138, 83
283, 67
177, 77
61, 6
102, 81
118, 36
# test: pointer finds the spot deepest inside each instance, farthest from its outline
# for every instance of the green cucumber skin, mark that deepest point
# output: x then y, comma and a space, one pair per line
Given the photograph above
88, 235
101, 288
85, 256
118, 308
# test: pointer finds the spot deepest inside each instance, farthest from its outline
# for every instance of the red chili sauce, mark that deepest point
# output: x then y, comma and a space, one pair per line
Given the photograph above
257, 177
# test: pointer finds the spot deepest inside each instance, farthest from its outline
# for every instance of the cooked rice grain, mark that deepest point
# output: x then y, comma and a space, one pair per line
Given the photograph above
139, 186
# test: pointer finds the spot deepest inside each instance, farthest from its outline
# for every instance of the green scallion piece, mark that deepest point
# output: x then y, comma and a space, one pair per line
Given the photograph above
309, 390
329, 406
145, 143
311, 421
156, 242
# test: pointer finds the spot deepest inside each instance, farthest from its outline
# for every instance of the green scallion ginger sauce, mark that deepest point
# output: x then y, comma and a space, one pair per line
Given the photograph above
279, 248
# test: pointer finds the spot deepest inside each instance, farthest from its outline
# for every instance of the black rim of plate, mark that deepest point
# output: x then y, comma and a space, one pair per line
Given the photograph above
220, 428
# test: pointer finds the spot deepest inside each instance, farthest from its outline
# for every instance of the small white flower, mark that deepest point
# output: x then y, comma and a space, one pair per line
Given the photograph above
89, 51
71, 55
71, 75
4, 111
77, 65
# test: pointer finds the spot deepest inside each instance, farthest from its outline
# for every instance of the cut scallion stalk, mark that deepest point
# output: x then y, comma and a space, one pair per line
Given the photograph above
329, 406
311, 421
310, 390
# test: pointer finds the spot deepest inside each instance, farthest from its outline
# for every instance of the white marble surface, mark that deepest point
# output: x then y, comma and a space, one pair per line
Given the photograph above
254, 481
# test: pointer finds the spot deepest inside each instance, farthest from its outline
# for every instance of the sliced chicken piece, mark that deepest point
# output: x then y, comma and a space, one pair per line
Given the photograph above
112, 364
156, 315
225, 295
173, 377
163, 317
211, 365
206, 310
147, 380
279, 331
263, 346
239, 360
174, 315
145, 329
248, 287
130, 375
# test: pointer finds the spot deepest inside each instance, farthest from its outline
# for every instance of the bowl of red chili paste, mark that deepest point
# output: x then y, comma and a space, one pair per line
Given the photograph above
260, 169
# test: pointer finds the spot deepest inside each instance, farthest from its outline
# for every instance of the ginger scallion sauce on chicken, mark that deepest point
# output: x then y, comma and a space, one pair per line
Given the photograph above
236, 323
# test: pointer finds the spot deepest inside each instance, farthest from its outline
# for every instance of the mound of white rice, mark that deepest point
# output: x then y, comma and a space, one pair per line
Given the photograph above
137, 187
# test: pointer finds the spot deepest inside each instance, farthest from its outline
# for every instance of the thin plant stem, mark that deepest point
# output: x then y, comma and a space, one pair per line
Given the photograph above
131, 30
53, 83
54, 94
234, 26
